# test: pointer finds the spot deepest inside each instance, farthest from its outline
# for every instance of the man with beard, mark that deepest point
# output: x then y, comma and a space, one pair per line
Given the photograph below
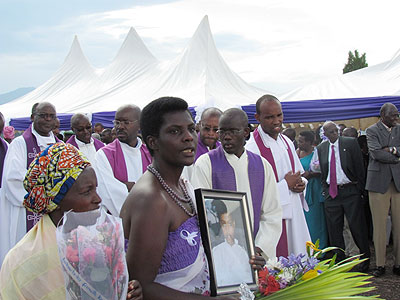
82, 138
231, 167
279, 151
383, 183
121, 163
15, 220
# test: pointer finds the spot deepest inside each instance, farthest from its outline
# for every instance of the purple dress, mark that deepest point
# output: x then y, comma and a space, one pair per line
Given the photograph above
184, 265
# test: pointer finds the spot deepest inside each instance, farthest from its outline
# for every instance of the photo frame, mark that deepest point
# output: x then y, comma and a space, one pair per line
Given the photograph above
227, 236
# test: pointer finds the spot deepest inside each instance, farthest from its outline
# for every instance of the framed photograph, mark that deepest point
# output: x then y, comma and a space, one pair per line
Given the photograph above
227, 237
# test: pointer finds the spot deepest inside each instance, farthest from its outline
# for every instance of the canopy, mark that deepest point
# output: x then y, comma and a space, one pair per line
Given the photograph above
199, 75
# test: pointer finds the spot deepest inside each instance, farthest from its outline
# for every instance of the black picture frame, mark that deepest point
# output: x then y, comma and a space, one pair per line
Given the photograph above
210, 204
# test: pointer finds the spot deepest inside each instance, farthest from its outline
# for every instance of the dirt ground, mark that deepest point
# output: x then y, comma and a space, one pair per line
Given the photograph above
387, 286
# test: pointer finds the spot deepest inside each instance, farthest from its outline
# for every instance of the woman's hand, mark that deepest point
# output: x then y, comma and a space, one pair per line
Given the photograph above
134, 290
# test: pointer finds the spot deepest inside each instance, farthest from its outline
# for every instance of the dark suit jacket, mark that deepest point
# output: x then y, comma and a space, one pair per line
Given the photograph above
383, 166
351, 161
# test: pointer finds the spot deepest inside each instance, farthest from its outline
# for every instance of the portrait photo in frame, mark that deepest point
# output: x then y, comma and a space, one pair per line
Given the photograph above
227, 237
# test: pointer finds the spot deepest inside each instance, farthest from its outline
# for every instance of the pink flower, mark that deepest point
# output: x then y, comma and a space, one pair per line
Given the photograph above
72, 254
89, 255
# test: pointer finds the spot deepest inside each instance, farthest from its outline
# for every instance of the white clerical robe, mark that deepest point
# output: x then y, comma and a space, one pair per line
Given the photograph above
231, 264
292, 203
12, 212
113, 192
271, 214
88, 150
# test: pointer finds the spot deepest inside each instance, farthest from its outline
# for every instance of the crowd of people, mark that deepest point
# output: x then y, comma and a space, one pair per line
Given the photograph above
329, 186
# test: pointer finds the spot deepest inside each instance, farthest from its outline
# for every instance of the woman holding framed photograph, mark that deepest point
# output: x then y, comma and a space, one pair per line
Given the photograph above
165, 251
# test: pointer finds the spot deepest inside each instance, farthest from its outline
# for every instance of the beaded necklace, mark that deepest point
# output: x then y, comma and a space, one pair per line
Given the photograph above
177, 198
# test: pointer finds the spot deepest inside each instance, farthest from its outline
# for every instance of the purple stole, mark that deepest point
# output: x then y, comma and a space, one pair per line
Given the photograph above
282, 247
115, 156
97, 144
3, 151
223, 178
201, 148
32, 149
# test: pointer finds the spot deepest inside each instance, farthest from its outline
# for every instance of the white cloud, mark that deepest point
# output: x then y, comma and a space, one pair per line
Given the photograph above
285, 43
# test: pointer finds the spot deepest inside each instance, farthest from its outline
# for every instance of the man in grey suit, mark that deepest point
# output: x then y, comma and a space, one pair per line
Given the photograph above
383, 183
342, 176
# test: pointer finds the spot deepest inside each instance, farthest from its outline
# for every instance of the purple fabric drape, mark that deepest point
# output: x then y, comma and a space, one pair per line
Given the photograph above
223, 177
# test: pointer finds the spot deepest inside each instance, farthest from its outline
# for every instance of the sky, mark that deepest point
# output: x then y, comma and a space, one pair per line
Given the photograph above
277, 45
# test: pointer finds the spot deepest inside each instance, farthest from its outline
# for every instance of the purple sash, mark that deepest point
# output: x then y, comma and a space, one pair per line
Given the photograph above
201, 148
223, 177
115, 156
97, 144
3, 151
32, 149
282, 247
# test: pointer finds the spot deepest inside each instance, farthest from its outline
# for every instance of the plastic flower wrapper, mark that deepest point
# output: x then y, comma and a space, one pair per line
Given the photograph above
308, 277
91, 249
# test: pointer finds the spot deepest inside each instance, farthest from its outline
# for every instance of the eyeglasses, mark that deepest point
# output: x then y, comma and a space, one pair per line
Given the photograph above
209, 129
47, 116
223, 132
118, 123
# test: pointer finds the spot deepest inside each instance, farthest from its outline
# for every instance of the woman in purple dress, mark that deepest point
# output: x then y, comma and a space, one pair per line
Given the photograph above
165, 252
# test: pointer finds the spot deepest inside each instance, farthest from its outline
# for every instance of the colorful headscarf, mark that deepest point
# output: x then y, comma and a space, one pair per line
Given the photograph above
50, 176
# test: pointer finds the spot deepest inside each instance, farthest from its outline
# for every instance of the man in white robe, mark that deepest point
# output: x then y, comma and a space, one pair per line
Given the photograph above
82, 138
21, 151
288, 171
233, 131
121, 163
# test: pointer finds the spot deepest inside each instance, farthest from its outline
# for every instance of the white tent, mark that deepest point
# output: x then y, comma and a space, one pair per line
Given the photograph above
379, 80
199, 75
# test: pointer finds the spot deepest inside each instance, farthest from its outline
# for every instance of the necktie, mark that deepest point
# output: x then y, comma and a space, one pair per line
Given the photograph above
332, 179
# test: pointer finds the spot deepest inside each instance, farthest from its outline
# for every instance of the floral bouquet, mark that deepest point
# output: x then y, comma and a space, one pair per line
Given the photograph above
91, 248
308, 277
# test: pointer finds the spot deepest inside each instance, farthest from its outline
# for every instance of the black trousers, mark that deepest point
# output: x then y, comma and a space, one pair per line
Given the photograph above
347, 203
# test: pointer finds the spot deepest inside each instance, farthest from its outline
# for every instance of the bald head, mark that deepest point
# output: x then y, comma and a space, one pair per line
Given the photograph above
127, 124
389, 114
44, 118
263, 99
233, 130
82, 127
239, 116
209, 126
77, 118
131, 109
331, 131
211, 112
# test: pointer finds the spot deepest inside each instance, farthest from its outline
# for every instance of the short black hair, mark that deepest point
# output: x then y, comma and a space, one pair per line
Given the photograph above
385, 108
308, 135
234, 112
99, 124
152, 117
219, 207
263, 99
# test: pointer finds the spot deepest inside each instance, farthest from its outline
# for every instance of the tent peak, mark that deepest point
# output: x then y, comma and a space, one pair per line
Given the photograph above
133, 48
75, 54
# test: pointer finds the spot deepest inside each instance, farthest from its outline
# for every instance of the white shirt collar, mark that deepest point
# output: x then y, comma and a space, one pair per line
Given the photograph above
80, 143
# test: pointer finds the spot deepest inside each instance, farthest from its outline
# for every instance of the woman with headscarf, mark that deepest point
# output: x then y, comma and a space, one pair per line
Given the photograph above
58, 180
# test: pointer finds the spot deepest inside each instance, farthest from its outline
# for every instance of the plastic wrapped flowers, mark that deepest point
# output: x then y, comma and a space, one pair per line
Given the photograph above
91, 248
308, 277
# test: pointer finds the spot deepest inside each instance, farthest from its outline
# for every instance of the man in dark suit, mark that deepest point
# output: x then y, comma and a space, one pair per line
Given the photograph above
343, 181
383, 183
